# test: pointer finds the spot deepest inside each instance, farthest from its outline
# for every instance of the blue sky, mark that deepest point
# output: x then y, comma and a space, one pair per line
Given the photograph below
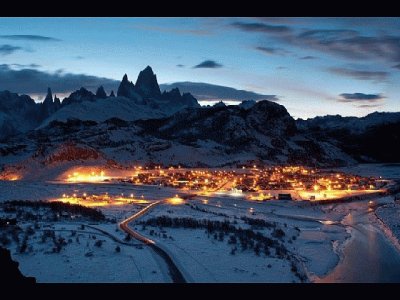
315, 66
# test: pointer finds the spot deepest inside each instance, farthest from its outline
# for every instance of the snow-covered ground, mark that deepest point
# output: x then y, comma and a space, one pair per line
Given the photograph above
84, 262
316, 245
387, 171
389, 214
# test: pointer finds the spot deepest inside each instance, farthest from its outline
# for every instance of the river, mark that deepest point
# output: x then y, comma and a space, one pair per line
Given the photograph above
368, 256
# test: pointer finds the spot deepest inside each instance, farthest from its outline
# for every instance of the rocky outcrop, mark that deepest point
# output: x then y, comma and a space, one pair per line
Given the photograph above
79, 96
49, 106
126, 88
101, 93
9, 272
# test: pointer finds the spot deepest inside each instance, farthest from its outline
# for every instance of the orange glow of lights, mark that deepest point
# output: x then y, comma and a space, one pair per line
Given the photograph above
175, 200
10, 177
86, 177
99, 200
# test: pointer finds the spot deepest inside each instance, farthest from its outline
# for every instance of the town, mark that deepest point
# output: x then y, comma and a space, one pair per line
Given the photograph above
250, 182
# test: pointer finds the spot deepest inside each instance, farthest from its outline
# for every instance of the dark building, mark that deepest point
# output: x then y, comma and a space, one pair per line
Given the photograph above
284, 197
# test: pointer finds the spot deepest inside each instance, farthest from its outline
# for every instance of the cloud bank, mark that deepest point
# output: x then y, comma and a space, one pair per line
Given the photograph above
209, 64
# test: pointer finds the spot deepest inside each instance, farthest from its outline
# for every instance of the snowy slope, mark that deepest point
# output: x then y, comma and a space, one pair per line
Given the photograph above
104, 109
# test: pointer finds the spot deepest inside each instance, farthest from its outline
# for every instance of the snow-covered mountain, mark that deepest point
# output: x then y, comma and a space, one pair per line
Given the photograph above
353, 124
18, 114
141, 101
144, 125
373, 138
212, 92
103, 109
206, 136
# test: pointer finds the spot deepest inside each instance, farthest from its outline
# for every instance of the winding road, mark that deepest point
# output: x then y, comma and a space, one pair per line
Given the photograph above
174, 272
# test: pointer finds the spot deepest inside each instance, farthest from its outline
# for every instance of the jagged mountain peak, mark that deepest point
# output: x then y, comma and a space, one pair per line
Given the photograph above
101, 93
148, 69
57, 100
49, 96
79, 96
126, 88
147, 85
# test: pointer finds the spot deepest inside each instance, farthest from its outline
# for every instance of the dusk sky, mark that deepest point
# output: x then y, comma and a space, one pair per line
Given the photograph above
314, 66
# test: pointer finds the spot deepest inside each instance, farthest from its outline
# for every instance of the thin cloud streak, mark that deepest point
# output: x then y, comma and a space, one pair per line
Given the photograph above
29, 37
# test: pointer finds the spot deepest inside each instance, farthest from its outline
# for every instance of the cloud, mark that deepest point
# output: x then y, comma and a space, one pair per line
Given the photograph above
272, 50
350, 44
211, 92
261, 27
32, 81
22, 66
196, 32
396, 66
211, 64
360, 97
28, 37
180, 65
369, 106
308, 57
377, 76
8, 49
328, 35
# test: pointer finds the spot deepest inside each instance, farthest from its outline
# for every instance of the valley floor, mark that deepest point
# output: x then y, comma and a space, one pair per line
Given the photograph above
314, 237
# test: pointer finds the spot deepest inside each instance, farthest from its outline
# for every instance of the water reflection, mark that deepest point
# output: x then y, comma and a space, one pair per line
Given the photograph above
368, 257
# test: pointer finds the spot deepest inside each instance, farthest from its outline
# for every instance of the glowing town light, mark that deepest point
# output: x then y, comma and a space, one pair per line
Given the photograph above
86, 177
327, 222
14, 177
175, 200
